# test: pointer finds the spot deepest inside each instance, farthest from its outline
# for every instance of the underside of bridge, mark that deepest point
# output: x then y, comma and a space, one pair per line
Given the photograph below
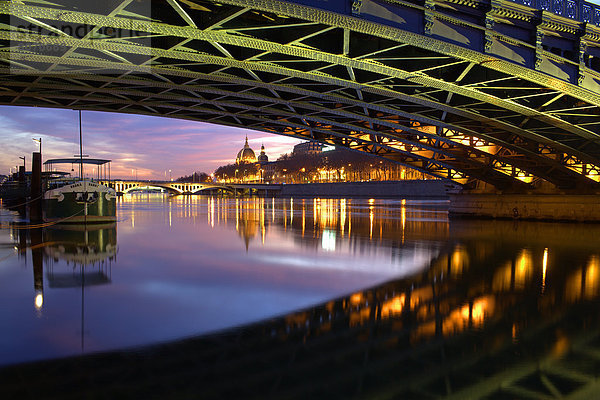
487, 94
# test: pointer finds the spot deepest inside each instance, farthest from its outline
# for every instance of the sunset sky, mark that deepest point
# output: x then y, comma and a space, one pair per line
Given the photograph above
152, 145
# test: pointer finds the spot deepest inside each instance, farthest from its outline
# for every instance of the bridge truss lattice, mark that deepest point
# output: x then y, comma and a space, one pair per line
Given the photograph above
473, 91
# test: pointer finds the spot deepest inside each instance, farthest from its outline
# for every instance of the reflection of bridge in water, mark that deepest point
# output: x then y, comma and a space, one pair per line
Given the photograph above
509, 313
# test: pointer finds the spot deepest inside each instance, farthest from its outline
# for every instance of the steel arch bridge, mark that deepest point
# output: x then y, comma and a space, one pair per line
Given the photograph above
491, 93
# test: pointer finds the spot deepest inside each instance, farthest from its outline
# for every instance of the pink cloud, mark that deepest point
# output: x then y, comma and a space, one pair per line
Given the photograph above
153, 145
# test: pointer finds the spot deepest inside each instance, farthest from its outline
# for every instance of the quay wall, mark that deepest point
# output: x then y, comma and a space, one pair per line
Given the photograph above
542, 207
407, 189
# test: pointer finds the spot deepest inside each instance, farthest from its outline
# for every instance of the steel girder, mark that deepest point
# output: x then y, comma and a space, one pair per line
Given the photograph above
336, 76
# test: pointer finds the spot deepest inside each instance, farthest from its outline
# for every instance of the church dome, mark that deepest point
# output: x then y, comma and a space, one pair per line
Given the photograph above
245, 155
262, 157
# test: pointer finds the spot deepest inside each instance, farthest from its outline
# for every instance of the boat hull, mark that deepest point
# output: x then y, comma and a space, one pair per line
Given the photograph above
80, 203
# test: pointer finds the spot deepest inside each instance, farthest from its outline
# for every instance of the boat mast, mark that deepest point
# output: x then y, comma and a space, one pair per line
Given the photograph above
80, 149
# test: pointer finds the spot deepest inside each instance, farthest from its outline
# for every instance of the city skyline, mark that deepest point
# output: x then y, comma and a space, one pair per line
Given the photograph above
138, 145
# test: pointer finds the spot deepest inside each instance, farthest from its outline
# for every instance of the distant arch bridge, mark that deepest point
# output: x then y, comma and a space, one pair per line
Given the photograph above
493, 93
127, 186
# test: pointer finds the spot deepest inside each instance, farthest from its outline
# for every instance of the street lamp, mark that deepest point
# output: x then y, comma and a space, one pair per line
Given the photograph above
38, 141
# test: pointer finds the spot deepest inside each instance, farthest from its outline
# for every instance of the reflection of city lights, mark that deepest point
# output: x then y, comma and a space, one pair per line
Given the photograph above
459, 261
356, 298
360, 316
420, 296
502, 277
478, 310
561, 346
303, 218
328, 240
523, 268
342, 215
544, 267
393, 306
349, 222
371, 216
472, 314
211, 214
403, 216
591, 278
237, 215
39, 301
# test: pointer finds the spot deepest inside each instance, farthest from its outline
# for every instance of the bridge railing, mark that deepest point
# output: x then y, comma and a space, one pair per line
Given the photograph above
582, 11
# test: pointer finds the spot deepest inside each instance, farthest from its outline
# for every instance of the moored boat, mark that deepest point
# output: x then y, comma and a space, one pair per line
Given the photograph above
80, 202
83, 201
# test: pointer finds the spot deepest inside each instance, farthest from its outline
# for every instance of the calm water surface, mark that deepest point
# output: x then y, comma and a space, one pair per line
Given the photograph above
183, 266
332, 298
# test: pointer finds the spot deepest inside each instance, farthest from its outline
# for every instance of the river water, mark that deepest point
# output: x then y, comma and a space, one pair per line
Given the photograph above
456, 302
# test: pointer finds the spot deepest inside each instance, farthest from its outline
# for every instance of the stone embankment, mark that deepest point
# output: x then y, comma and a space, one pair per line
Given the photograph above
381, 189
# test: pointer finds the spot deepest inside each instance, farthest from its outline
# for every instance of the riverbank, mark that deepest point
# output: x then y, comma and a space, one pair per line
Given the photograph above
541, 207
379, 189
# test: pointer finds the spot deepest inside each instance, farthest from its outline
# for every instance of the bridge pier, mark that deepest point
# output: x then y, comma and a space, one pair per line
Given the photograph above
541, 207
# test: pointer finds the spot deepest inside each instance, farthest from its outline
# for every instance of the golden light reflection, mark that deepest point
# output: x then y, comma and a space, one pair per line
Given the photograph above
360, 316
403, 217
303, 218
212, 212
561, 346
356, 299
502, 278
459, 261
39, 301
371, 217
592, 285
284, 215
420, 296
263, 229
342, 215
469, 315
544, 268
315, 208
237, 214
523, 269
393, 306
584, 283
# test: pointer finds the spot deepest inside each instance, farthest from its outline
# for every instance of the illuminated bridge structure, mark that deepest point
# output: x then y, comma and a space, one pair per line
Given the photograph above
492, 94
192, 188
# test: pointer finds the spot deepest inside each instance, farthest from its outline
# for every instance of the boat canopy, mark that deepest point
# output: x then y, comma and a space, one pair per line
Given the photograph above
77, 160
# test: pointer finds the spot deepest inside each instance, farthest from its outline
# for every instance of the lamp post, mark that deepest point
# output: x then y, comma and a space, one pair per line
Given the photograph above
38, 141
24, 167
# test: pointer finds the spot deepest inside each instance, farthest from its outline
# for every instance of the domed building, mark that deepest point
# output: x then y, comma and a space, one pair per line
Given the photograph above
246, 155
262, 157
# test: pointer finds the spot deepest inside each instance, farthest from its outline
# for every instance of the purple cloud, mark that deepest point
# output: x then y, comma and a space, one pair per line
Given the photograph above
149, 145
